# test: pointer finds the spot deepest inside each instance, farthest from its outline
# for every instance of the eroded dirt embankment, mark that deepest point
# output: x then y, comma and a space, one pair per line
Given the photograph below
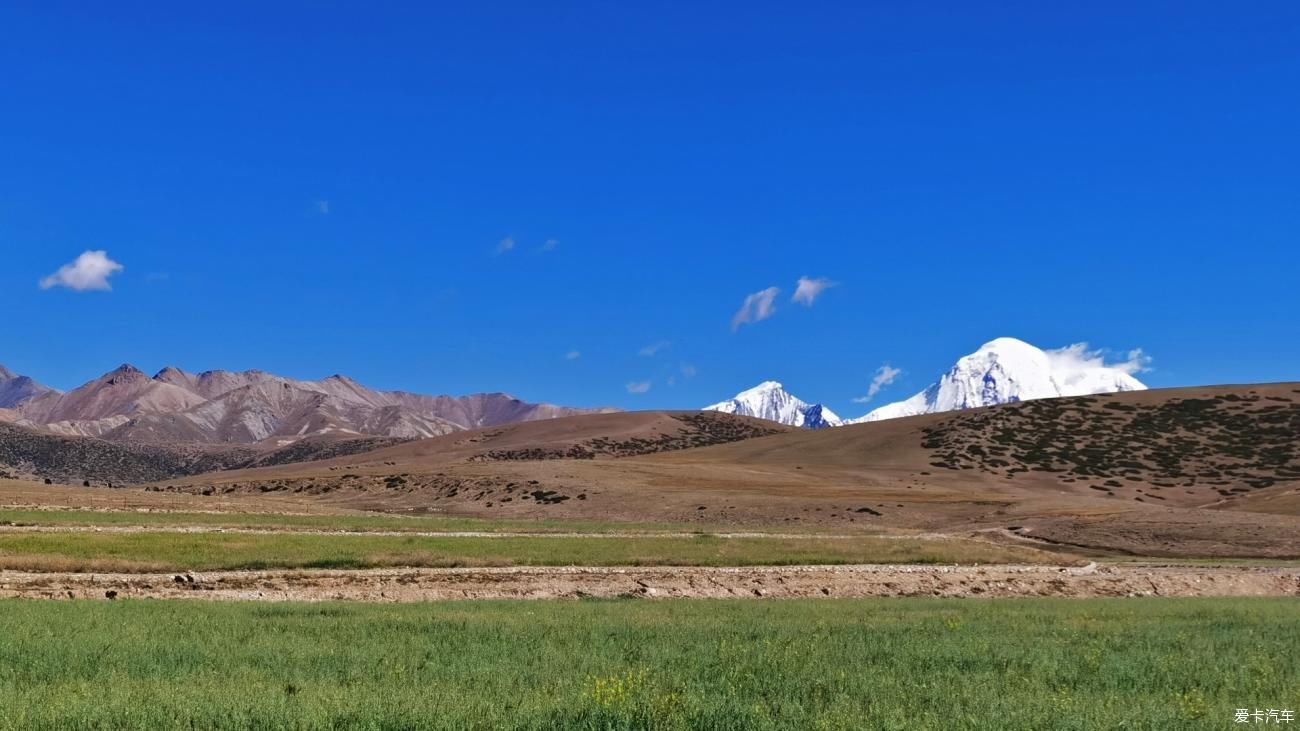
394, 585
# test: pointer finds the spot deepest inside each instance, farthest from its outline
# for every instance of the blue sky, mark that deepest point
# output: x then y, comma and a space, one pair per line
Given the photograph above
324, 187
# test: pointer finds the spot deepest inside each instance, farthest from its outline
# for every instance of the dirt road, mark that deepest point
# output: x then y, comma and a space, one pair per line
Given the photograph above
398, 585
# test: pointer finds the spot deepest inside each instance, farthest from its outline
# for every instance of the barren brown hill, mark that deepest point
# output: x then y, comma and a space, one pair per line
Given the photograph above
575, 438
1282, 499
1144, 473
1187, 446
631, 434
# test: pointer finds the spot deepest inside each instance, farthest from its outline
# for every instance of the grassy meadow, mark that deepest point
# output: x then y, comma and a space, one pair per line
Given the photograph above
702, 664
174, 551
326, 522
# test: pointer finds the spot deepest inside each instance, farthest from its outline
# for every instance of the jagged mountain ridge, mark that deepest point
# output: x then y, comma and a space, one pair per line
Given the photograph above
251, 407
16, 389
769, 400
1007, 370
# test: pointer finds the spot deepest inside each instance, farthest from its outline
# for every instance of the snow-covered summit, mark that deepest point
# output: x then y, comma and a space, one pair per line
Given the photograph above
769, 400
1006, 370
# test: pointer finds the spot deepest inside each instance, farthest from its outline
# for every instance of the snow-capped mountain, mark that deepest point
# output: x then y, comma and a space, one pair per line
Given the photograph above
769, 400
1007, 370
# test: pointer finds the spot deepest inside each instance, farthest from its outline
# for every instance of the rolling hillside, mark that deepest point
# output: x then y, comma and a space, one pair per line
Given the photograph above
1162, 472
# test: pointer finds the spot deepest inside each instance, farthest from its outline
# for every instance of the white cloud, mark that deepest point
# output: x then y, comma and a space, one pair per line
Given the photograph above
638, 387
550, 245
650, 350
688, 370
90, 271
572, 355
757, 306
885, 375
505, 245
323, 207
809, 288
1076, 362
1138, 362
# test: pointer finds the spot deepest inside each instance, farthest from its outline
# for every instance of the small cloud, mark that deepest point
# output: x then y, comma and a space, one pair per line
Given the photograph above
885, 375
323, 207
549, 245
1138, 362
688, 370
89, 272
638, 387
505, 245
808, 289
1075, 361
572, 355
672, 381
652, 349
757, 306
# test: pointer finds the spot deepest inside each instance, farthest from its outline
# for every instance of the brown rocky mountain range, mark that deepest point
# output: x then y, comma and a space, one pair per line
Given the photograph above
249, 407
16, 389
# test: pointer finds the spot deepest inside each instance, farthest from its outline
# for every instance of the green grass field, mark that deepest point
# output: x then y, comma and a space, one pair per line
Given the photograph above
145, 551
278, 521
705, 664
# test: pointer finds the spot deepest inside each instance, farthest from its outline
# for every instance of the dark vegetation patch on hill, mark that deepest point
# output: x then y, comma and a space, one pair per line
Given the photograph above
489, 490
313, 450
1232, 442
704, 429
26, 453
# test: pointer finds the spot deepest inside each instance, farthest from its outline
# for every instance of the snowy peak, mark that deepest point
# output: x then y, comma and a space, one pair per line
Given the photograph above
769, 400
766, 392
1007, 370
